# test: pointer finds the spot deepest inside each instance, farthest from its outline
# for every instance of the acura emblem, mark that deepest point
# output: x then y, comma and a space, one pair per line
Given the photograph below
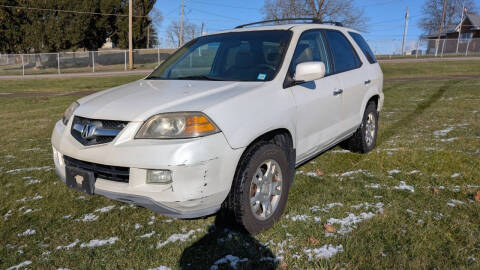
88, 131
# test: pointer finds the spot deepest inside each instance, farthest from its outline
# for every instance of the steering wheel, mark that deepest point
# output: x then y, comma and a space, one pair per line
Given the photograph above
266, 66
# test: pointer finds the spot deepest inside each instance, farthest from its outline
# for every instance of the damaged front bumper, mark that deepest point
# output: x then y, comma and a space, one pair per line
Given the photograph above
202, 169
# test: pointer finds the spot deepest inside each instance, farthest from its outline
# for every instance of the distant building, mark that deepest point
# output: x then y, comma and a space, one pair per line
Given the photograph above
468, 29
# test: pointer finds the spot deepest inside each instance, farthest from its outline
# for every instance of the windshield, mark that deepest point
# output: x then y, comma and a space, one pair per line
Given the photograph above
237, 56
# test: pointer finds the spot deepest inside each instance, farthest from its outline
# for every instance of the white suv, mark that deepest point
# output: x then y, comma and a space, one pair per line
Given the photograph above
224, 121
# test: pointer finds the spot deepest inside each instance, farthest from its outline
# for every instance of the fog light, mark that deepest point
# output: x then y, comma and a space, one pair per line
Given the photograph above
159, 177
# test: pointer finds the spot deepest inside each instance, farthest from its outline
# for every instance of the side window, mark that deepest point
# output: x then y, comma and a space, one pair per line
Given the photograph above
344, 56
364, 47
310, 47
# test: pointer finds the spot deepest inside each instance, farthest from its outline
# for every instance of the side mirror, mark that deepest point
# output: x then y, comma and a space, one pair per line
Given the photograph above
309, 71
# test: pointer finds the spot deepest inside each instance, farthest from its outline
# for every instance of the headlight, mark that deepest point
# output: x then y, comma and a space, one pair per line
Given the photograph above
177, 126
69, 112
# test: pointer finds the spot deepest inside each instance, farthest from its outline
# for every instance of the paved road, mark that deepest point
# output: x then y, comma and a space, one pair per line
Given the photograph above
72, 75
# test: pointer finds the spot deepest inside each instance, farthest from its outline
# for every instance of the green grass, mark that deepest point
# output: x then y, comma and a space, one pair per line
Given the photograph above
415, 229
431, 69
65, 84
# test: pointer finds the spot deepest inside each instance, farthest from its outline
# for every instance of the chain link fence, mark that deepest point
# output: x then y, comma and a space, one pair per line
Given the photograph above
425, 48
78, 62
117, 60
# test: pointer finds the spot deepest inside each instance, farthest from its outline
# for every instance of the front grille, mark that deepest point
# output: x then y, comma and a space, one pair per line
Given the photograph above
113, 173
100, 124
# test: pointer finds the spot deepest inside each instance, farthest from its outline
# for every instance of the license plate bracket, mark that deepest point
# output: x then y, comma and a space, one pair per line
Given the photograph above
80, 180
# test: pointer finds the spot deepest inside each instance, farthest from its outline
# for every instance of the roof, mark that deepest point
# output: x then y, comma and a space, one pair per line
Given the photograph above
472, 17
293, 27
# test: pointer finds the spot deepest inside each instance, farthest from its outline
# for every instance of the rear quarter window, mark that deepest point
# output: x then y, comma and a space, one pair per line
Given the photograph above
364, 47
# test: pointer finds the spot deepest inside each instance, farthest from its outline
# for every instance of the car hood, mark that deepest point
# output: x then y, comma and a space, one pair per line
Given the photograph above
140, 100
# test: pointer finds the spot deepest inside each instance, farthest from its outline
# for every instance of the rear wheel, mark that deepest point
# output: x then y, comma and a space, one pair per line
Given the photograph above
260, 188
365, 138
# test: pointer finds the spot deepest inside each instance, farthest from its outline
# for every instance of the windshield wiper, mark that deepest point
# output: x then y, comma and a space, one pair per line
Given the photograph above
197, 77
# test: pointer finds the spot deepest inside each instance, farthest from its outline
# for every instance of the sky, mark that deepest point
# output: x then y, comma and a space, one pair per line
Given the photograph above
386, 18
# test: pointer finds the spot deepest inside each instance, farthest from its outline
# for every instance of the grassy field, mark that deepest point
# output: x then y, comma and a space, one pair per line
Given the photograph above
382, 204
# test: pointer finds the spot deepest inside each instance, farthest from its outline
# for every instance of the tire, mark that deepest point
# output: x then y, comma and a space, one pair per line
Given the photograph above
248, 182
360, 142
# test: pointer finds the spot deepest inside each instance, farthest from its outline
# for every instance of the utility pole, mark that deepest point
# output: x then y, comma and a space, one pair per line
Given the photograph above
201, 32
180, 38
148, 36
130, 37
405, 30
460, 29
442, 23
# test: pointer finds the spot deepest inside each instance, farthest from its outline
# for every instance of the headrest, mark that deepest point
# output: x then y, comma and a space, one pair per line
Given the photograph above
244, 59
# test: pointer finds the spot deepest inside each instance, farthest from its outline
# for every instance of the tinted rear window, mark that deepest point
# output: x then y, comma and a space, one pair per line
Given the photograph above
364, 47
344, 56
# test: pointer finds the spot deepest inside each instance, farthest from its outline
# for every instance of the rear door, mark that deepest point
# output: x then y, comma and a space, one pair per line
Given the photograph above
352, 75
318, 107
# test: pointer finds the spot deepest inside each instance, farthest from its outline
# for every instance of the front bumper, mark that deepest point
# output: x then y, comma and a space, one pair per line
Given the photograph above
202, 168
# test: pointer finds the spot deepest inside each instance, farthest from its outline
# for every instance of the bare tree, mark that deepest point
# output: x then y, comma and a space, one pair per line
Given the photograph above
326, 10
432, 14
190, 31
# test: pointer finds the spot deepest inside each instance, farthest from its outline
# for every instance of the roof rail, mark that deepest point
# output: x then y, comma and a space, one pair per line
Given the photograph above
313, 20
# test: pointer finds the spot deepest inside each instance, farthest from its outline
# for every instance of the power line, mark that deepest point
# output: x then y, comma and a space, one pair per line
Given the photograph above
70, 11
223, 5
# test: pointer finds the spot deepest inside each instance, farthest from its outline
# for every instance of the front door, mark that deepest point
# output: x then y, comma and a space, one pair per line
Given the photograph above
318, 103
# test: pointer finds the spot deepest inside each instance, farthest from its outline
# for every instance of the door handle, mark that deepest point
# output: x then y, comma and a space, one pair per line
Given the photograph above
367, 82
337, 92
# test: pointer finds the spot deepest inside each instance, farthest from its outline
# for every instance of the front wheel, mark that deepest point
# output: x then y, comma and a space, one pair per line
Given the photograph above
365, 138
260, 188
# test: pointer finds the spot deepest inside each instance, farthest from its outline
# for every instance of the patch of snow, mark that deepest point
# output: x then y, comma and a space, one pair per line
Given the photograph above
35, 149
453, 203
32, 181
98, 243
27, 232
414, 172
394, 171
177, 237
88, 218
18, 266
410, 211
137, 226
298, 217
324, 252
15, 171
455, 175
350, 173
230, 259
161, 267
449, 139
343, 151
67, 216
404, 186
9, 213
147, 235
377, 197
325, 209
69, 246
372, 185
105, 209
348, 223
443, 132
